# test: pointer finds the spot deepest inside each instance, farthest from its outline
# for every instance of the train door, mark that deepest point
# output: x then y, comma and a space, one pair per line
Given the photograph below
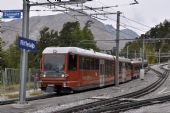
132, 70
120, 71
101, 73
123, 72
73, 70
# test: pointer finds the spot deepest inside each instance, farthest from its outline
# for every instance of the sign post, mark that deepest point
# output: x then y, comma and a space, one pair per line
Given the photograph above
24, 44
24, 53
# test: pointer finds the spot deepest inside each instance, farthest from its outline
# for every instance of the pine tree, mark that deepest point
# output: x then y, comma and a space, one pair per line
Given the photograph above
12, 55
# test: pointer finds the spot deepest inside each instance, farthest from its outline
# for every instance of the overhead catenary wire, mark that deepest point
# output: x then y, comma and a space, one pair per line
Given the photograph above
74, 16
106, 13
92, 15
120, 22
59, 3
135, 2
135, 21
72, 9
93, 9
123, 25
54, 9
63, 11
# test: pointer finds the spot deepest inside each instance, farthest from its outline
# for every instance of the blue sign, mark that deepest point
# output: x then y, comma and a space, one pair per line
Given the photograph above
9, 14
28, 44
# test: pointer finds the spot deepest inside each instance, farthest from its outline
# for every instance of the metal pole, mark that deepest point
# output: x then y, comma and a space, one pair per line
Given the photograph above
140, 52
159, 55
143, 50
127, 50
4, 82
24, 54
117, 49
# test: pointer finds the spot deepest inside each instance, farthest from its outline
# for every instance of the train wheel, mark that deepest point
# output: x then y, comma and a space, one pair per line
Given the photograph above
58, 91
71, 91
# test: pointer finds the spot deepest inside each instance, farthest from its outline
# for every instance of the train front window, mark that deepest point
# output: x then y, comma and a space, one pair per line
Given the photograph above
54, 64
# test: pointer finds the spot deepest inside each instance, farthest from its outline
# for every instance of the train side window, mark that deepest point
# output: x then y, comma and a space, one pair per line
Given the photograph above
120, 67
72, 65
96, 63
112, 68
87, 63
108, 67
92, 64
137, 67
127, 66
81, 62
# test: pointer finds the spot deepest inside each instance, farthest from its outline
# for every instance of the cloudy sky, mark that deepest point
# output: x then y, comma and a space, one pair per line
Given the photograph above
147, 12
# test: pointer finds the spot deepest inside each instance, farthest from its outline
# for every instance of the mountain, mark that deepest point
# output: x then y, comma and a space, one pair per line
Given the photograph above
131, 34
99, 30
124, 34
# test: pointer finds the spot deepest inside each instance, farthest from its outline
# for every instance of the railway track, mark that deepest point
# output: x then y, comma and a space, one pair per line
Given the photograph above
123, 103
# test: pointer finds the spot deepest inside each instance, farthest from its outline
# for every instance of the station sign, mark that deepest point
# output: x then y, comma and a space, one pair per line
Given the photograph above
27, 44
10, 14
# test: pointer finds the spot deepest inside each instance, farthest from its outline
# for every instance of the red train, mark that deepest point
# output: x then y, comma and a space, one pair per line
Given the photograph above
68, 69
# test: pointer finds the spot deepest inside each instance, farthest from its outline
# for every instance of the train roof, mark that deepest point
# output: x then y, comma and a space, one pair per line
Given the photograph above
76, 50
122, 59
132, 61
137, 61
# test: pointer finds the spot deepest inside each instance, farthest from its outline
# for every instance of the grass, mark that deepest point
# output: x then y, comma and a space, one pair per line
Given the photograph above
36, 92
12, 87
16, 94
11, 90
15, 87
12, 95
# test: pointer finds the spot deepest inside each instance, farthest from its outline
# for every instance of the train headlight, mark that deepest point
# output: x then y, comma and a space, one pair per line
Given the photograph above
64, 75
44, 75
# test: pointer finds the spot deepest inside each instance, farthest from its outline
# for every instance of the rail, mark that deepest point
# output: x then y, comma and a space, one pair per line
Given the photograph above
119, 103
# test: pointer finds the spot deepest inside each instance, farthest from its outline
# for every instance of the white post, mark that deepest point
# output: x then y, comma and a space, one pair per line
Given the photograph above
142, 70
142, 74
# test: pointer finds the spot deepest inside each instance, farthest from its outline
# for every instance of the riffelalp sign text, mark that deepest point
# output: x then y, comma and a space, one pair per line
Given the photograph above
25, 43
